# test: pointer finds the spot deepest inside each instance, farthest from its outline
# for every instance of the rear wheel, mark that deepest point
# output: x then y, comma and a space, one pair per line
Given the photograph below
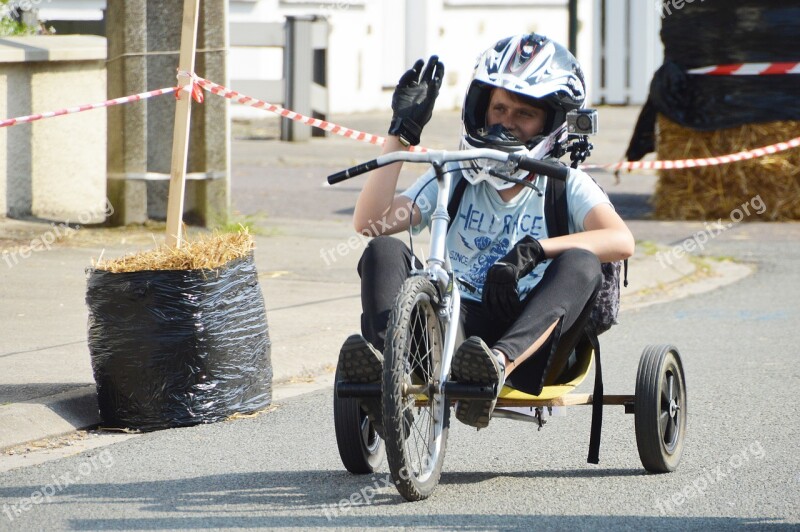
360, 447
660, 408
416, 418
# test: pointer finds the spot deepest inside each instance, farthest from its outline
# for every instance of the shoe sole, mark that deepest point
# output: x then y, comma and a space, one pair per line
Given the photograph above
358, 363
471, 366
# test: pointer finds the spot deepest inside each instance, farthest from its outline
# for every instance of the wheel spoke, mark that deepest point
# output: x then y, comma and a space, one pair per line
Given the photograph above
669, 432
663, 421
365, 428
422, 418
419, 345
426, 436
420, 436
426, 353
671, 381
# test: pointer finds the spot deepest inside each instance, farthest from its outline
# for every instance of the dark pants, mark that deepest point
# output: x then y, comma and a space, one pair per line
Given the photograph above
565, 294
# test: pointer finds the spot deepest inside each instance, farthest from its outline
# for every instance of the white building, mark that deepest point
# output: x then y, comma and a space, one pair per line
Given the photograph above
372, 42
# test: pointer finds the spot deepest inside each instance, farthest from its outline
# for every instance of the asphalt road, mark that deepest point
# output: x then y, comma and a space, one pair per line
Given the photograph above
281, 469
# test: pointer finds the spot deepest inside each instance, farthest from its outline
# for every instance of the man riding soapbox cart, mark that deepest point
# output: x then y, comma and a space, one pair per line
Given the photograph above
416, 392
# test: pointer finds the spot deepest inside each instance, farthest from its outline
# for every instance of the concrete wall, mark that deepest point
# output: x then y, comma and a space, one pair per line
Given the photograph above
54, 168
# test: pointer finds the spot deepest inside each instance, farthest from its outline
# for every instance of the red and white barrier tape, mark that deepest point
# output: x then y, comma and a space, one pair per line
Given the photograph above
81, 108
193, 89
748, 69
374, 139
225, 92
693, 163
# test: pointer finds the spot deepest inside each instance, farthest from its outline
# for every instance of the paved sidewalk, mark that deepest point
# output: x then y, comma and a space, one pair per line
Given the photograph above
306, 267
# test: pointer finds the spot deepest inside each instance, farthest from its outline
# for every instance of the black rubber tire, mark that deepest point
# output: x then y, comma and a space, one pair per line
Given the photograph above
360, 447
415, 470
660, 408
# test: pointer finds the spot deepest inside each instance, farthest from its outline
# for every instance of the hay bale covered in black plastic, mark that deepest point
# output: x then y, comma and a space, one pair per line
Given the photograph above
701, 116
174, 347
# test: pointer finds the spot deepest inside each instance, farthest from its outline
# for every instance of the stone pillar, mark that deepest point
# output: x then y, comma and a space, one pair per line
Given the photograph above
155, 26
126, 24
16, 162
209, 199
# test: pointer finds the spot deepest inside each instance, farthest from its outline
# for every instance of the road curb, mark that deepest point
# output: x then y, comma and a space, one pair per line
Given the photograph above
48, 416
721, 274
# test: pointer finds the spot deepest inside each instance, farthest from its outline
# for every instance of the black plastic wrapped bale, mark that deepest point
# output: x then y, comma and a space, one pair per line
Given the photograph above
722, 33
174, 348
700, 116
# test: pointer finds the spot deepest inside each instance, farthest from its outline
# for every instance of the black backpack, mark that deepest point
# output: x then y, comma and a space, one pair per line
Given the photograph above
606, 304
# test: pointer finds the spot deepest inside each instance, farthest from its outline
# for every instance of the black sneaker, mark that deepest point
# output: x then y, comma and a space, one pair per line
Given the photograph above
475, 363
361, 363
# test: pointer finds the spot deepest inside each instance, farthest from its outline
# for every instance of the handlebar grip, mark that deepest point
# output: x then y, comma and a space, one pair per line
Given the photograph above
554, 170
359, 169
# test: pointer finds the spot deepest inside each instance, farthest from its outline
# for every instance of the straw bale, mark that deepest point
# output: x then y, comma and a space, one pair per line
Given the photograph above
713, 192
208, 251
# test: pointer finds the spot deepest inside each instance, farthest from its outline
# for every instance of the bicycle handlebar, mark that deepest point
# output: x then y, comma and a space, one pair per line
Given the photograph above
554, 170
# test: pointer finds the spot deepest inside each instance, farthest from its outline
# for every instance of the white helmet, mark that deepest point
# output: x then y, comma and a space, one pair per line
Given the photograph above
543, 73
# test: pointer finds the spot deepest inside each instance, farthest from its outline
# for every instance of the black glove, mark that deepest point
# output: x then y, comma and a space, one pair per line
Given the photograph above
501, 290
413, 100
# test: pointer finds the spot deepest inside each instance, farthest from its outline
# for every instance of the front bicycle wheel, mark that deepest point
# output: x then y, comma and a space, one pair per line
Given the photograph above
415, 417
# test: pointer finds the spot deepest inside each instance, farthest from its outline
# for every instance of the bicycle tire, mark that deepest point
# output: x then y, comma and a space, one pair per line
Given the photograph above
415, 441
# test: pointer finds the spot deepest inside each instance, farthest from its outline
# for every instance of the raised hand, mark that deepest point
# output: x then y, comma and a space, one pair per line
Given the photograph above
414, 98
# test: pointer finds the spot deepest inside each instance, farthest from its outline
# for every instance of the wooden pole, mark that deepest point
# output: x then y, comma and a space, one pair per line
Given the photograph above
183, 116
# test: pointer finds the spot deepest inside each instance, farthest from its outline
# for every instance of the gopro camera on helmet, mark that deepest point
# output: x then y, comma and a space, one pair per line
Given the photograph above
582, 122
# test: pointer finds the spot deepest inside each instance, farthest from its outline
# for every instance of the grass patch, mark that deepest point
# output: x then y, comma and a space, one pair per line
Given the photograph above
647, 247
722, 258
254, 224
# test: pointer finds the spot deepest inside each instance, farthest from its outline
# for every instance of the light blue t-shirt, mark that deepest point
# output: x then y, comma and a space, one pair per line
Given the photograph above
486, 227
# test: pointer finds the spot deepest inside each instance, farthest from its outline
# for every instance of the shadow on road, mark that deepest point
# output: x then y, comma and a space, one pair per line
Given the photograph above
289, 499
